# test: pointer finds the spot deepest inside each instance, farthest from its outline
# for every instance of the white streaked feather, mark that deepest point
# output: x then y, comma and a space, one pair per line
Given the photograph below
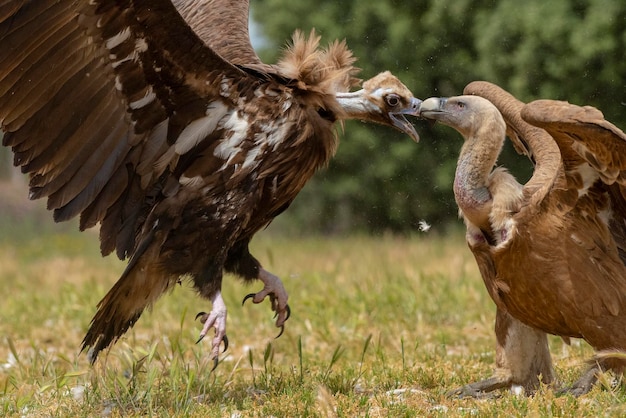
589, 176
228, 148
130, 57
225, 86
118, 83
251, 156
141, 45
277, 132
148, 98
194, 182
118, 39
199, 129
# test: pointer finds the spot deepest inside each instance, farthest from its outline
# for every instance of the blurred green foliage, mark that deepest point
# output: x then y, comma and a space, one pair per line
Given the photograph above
380, 180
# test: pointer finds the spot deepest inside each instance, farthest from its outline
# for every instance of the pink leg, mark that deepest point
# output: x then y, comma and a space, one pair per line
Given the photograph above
278, 297
215, 319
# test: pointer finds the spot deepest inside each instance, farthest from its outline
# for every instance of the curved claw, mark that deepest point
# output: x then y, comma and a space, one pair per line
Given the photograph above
199, 314
282, 329
288, 309
225, 339
215, 362
248, 296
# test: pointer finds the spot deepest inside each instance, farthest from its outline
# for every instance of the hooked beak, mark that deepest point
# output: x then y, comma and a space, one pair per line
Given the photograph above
400, 122
431, 107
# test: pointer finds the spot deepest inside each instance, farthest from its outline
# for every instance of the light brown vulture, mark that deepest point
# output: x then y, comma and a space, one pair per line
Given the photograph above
552, 251
180, 145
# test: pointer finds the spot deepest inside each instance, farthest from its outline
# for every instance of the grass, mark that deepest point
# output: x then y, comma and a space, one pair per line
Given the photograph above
380, 327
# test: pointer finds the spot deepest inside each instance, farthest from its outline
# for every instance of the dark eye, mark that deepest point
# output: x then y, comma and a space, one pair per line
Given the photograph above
392, 100
461, 105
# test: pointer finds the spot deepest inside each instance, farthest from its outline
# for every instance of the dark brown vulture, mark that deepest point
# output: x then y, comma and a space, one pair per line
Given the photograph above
552, 251
180, 145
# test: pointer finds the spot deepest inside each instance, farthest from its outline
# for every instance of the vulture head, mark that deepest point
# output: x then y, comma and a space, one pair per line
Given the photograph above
384, 100
469, 115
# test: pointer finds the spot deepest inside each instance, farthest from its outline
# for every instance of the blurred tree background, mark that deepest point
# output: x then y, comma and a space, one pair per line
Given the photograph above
382, 181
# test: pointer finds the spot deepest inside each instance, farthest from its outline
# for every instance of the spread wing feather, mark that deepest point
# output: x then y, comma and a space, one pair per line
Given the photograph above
583, 131
92, 95
218, 17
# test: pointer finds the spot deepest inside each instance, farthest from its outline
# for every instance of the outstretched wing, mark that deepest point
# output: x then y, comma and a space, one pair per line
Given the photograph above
92, 95
223, 25
593, 149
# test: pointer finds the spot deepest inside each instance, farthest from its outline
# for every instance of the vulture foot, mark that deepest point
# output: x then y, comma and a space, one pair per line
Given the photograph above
483, 389
584, 384
215, 319
278, 297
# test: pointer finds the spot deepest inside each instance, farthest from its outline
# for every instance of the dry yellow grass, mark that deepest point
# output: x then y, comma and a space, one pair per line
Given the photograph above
380, 327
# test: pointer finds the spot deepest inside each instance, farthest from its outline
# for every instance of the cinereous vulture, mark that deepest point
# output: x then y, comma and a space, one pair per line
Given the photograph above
174, 138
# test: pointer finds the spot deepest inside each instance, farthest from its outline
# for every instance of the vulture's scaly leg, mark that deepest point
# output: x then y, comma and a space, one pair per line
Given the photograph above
584, 384
523, 360
483, 389
215, 319
278, 297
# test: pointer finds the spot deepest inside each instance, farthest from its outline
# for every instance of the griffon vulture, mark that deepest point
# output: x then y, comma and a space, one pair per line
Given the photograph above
180, 145
552, 251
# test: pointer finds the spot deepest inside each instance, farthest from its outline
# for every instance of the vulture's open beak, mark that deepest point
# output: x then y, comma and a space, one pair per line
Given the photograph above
400, 122
372, 108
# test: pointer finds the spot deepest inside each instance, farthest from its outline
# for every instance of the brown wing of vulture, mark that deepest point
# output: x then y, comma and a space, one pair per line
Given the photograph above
551, 252
181, 152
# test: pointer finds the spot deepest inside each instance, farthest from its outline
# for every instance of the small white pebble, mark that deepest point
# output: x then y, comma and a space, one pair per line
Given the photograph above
440, 408
11, 362
517, 390
78, 392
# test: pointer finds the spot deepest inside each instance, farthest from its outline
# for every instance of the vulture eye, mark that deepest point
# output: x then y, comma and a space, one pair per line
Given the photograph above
392, 100
461, 105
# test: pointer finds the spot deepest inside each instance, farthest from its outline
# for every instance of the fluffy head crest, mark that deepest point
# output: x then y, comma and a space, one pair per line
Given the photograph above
324, 70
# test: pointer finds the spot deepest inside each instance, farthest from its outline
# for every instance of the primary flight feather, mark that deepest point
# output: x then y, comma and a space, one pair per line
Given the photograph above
173, 137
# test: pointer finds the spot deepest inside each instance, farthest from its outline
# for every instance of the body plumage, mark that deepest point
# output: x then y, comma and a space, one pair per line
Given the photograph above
550, 251
178, 144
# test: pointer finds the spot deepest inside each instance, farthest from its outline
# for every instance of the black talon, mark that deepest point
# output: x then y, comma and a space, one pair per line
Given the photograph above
288, 309
199, 315
214, 365
225, 339
282, 329
248, 296
200, 339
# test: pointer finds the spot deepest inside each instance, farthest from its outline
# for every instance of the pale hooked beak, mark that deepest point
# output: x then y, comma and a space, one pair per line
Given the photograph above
430, 106
400, 122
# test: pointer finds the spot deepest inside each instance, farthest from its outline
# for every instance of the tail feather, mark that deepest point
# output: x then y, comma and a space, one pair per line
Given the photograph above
141, 284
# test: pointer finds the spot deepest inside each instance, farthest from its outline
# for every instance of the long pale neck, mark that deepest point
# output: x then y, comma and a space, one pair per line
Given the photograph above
354, 105
476, 161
